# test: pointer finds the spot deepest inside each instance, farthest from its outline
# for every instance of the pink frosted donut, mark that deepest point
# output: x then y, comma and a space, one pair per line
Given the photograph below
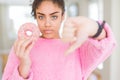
29, 30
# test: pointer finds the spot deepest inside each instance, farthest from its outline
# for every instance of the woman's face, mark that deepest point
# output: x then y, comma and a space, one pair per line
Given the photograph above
49, 17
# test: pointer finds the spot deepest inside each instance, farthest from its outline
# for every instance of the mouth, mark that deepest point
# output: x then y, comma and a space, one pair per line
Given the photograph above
48, 31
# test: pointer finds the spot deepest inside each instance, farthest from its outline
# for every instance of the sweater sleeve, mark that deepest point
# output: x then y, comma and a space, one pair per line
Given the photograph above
94, 52
11, 69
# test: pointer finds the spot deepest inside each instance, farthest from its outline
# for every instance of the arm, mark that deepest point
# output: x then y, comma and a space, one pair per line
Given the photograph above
79, 31
95, 51
11, 70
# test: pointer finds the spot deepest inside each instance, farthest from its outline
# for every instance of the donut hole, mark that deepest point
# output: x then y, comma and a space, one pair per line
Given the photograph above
28, 33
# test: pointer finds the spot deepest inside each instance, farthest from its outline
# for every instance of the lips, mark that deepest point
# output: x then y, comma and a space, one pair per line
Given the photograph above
48, 31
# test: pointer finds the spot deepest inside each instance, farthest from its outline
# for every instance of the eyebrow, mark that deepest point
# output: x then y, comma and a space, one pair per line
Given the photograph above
50, 13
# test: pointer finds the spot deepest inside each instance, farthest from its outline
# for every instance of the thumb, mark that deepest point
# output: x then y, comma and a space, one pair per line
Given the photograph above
76, 44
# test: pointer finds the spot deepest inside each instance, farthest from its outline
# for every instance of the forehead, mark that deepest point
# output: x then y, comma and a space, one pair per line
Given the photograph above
48, 7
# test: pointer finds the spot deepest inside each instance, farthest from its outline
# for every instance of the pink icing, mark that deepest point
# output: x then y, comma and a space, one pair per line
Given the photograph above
28, 30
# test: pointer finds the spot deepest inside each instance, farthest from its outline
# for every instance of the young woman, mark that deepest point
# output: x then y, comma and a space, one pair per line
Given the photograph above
88, 43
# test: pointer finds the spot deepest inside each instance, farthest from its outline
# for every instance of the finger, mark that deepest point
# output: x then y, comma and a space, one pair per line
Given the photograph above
15, 46
19, 45
29, 48
80, 40
25, 45
69, 34
72, 48
68, 40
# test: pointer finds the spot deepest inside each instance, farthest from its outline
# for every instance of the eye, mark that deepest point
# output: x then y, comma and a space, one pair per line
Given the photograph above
54, 17
41, 17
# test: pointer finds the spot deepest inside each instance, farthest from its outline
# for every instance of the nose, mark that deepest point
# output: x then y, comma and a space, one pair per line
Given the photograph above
47, 23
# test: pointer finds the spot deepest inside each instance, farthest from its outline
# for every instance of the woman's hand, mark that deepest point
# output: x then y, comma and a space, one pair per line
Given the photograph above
77, 30
22, 49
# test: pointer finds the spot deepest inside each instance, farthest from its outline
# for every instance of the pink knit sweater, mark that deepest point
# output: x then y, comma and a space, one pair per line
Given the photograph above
50, 63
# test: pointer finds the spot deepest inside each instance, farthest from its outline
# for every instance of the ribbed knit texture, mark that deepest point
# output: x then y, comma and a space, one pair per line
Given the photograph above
50, 63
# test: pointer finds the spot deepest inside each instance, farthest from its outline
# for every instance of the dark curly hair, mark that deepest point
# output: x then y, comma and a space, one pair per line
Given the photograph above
36, 3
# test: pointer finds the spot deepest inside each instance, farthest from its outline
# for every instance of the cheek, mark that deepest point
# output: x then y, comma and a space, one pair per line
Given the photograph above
40, 23
57, 28
40, 27
57, 22
58, 25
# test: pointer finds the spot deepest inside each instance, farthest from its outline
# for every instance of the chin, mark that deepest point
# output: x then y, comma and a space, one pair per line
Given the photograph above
50, 37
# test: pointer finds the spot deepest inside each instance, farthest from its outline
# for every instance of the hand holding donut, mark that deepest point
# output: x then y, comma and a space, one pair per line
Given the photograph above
29, 30
27, 35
